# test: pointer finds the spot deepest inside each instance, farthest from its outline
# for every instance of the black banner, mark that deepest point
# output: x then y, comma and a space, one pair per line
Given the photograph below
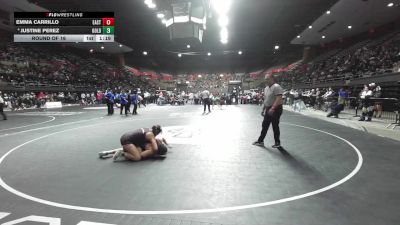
63, 15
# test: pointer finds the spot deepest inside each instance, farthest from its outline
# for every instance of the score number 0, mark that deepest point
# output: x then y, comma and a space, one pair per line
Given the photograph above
108, 21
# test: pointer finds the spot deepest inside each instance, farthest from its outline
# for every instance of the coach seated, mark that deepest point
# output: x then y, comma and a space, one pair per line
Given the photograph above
336, 108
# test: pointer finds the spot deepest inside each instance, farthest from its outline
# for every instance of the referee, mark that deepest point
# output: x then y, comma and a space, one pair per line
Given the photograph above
272, 111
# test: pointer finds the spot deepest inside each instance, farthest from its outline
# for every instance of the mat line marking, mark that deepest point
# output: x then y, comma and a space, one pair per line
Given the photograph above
13, 128
69, 123
192, 211
43, 128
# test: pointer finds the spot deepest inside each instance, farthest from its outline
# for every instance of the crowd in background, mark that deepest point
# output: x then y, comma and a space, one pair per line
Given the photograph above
361, 60
368, 100
34, 65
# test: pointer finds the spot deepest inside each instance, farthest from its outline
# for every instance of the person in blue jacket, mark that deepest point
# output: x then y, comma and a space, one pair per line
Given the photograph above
128, 105
336, 108
134, 100
117, 99
124, 102
110, 102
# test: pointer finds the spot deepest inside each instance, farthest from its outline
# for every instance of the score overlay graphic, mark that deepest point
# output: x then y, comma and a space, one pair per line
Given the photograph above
64, 26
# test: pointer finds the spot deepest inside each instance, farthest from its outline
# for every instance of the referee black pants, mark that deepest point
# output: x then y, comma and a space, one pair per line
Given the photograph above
207, 102
274, 119
2, 112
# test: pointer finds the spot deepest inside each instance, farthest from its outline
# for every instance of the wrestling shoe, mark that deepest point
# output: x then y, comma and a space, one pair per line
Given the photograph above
277, 145
258, 143
118, 155
103, 155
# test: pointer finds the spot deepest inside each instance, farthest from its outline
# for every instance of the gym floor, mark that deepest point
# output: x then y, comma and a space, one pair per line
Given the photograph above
212, 174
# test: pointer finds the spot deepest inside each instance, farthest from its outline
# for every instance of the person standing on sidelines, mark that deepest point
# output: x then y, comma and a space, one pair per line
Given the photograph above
128, 105
272, 111
110, 102
2, 104
124, 102
141, 101
134, 101
205, 95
